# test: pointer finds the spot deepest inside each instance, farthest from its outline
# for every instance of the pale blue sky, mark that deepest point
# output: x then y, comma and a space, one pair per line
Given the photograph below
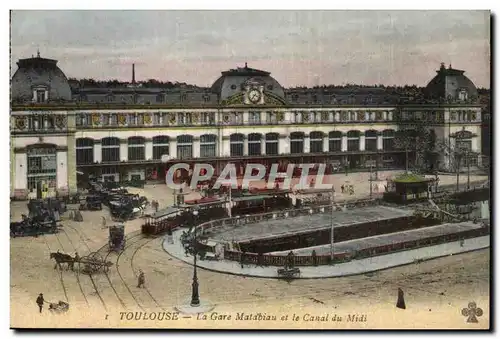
297, 47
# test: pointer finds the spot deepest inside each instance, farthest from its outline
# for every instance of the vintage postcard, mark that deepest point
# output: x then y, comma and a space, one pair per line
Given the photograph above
250, 169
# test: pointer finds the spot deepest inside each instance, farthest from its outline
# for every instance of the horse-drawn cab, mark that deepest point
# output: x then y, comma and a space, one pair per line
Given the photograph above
91, 203
117, 238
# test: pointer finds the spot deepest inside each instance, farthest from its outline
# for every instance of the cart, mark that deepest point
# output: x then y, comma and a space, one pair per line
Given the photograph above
60, 307
93, 263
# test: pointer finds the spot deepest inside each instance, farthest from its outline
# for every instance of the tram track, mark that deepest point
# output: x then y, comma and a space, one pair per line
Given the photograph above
133, 270
77, 273
128, 244
58, 268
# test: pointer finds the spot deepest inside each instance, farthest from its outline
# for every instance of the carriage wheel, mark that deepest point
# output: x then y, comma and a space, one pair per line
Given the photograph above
82, 265
96, 260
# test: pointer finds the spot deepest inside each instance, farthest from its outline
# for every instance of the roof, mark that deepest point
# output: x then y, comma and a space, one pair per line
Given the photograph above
448, 83
276, 228
386, 239
165, 212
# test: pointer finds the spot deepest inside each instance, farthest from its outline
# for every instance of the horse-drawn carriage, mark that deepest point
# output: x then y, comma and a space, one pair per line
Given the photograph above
32, 227
90, 264
116, 238
126, 206
91, 203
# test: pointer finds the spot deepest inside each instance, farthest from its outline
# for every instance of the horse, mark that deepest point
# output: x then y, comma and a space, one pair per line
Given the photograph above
63, 258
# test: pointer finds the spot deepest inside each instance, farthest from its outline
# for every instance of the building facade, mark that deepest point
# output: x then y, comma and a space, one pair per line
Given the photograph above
59, 133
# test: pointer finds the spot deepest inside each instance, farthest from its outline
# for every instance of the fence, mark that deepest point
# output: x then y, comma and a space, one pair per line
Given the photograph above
205, 230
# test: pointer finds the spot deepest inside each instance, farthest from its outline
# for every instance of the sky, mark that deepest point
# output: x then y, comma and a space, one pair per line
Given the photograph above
299, 48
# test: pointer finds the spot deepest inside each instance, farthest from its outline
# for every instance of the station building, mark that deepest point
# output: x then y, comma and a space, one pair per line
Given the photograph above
59, 132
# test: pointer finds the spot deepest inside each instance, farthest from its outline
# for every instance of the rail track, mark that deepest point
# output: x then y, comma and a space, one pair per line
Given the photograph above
61, 279
77, 273
133, 269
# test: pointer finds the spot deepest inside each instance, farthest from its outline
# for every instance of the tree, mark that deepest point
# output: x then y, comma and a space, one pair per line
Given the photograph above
419, 140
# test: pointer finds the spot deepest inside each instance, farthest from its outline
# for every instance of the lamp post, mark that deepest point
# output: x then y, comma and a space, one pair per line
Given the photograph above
195, 296
468, 169
371, 181
331, 230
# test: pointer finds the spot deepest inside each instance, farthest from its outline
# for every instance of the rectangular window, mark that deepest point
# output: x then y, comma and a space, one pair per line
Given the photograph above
159, 150
40, 96
236, 149
110, 153
370, 144
271, 147
136, 152
254, 118
353, 144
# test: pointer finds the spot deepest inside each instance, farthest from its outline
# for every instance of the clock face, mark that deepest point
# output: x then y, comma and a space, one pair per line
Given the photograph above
254, 95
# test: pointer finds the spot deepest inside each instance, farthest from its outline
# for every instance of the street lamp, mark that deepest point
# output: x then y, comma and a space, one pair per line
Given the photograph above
195, 296
331, 230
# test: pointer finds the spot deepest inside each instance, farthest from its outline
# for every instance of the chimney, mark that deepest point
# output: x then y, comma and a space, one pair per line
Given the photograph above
133, 74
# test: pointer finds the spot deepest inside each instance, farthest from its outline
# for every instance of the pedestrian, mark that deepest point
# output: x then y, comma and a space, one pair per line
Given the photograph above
141, 279
242, 259
40, 302
314, 258
103, 222
342, 188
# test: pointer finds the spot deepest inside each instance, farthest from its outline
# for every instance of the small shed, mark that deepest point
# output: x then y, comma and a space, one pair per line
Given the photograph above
408, 188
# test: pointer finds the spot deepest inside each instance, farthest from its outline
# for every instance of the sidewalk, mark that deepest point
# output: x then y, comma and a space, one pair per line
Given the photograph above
354, 267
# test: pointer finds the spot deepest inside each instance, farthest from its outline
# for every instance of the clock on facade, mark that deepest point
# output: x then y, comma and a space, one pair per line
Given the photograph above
254, 95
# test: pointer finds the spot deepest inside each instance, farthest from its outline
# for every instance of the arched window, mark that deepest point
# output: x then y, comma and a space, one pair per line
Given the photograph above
254, 144
184, 146
335, 141
353, 140
236, 144
316, 142
208, 145
161, 146
42, 167
272, 143
136, 149
110, 149
388, 139
84, 151
297, 142
371, 140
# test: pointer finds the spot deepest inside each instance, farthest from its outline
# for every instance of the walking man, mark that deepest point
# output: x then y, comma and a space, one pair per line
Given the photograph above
40, 301
141, 279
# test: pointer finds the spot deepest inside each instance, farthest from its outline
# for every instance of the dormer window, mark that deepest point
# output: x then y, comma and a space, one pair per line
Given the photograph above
462, 95
40, 94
